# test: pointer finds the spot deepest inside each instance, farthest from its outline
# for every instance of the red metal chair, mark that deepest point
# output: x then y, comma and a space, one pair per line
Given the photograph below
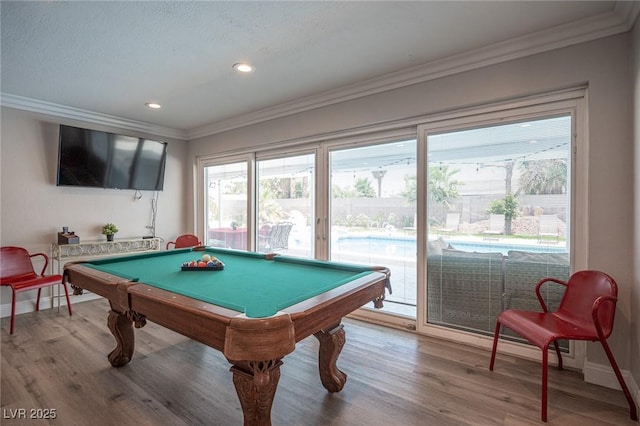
16, 271
184, 241
586, 312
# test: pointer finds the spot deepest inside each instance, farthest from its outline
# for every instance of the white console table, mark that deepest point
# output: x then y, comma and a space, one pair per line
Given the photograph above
63, 253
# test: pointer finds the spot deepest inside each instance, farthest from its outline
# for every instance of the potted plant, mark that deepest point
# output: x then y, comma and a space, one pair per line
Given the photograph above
109, 229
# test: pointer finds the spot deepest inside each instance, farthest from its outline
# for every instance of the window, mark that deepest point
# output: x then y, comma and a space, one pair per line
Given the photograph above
468, 215
226, 205
498, 214
372, 210
286, 188
502, 204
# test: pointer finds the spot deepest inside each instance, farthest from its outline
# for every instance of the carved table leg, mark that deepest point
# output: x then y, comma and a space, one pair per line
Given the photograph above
256, 383
378, 302
121, 327
331, 343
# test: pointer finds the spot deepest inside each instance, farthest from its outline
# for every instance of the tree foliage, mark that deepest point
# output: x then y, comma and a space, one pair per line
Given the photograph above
364, 188
508, 206
544, 177
442, 184
441, 187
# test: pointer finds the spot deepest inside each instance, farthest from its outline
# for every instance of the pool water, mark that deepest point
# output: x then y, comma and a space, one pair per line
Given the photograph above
406, 247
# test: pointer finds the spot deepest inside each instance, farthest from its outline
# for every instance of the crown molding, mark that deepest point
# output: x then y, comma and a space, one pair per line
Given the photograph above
71, 113
628, 12
621, 20
604, 25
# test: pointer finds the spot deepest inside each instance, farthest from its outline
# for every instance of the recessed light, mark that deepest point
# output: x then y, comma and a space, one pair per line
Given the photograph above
153, 105
243, 67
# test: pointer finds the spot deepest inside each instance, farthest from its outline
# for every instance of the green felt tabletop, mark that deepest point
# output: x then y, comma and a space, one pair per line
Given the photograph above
248, 283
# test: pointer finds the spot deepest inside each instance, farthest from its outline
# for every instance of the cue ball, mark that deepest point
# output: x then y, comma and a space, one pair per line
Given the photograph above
206, 258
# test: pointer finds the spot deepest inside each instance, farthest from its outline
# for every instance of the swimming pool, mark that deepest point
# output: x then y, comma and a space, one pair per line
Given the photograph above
406, 247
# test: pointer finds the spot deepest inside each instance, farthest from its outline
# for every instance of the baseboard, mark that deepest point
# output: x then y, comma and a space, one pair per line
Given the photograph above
603, 375
46, 302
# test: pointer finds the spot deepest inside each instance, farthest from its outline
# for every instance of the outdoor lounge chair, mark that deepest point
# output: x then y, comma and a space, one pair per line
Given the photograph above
465, 289
276, 237
452, 223
548, 228
496, 226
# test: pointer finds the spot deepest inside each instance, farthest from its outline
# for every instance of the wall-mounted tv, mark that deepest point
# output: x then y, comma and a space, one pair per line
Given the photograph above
106, 160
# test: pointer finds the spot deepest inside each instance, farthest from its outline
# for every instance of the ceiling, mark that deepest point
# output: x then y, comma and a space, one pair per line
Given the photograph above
101, 61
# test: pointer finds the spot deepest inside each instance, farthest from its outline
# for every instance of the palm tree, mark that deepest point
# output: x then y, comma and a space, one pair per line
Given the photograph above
364, 188
544, 176
441, 186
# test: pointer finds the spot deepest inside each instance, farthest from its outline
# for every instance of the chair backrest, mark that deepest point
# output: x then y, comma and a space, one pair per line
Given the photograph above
453, 221
15, 265
548, 224
187, 240
583, 288
496, 222
279, 235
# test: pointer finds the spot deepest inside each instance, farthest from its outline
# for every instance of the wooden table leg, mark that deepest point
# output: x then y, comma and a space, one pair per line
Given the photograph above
120, 324
256, 383
331, 343
122, 329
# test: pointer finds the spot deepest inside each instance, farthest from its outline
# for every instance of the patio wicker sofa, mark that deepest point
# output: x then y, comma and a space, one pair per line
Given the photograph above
468, 290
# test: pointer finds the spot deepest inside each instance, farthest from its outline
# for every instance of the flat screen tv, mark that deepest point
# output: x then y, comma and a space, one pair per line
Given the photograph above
106, 160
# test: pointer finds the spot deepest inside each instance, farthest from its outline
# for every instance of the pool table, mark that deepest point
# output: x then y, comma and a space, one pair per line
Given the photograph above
254, 310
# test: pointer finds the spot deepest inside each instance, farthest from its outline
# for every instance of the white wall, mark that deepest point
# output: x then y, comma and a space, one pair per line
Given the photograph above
33, 209
635, 282
603, 64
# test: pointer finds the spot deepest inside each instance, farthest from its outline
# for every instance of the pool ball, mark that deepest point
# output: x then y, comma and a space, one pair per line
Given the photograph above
206, 258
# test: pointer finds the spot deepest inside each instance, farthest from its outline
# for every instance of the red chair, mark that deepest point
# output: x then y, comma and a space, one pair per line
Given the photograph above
16, 271
184, 241
586, 312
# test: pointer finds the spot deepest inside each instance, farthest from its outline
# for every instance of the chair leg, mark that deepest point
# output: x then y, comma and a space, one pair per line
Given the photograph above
38, 300
555, 344
545, 361
66, 294
13, 310
496, 335
632, 406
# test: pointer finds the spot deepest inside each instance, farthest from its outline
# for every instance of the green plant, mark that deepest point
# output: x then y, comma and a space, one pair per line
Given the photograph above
442, 185
508, 206
109, 229
364, 188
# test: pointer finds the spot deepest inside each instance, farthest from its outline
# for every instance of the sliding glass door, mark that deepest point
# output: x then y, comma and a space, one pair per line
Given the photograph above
286, 194
468, 211
226, 205
372, 214
498, 219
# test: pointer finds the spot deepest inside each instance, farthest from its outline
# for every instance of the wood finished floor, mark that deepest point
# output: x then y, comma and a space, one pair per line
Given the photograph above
394, 378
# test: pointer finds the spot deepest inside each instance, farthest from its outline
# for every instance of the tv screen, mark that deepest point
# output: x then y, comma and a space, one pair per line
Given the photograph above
106, 160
